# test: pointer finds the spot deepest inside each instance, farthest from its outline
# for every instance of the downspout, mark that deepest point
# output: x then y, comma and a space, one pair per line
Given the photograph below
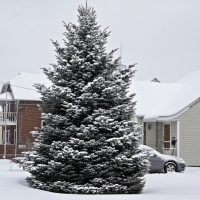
16, 129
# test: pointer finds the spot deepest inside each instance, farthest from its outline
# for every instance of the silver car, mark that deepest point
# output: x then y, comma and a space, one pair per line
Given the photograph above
162, 163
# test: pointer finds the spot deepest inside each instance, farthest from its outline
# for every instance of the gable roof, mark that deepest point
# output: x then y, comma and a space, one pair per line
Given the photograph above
153, 80
166, 100
22, 86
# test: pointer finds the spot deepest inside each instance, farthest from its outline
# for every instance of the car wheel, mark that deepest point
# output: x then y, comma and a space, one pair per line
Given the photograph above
170, 167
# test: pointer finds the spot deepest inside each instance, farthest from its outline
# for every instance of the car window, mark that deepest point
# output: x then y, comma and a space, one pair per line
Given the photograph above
150, 151
154, 152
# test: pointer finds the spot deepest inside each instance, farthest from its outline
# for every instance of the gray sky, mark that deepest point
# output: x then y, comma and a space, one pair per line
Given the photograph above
162, 37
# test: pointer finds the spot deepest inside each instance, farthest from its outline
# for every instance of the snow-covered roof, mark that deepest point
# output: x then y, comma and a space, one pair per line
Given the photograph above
153, 100
7, 96
165, 100
190, 78
22, 86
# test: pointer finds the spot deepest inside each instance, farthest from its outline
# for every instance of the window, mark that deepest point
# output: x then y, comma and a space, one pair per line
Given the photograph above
167, 136
43, 123
7, 137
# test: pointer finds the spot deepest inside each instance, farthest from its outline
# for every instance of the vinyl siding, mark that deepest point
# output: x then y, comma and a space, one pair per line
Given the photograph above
174, 129
189, 138
139, 121
151, 135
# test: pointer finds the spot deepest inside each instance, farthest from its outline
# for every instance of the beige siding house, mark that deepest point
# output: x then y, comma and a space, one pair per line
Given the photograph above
170, 116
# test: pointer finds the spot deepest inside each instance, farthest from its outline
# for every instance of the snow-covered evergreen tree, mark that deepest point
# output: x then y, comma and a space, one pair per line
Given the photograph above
89, 143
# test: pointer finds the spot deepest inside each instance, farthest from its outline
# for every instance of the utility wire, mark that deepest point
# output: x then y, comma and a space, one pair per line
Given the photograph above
20, 87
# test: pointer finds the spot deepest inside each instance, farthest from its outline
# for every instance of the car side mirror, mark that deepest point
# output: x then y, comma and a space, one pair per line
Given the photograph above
154, 155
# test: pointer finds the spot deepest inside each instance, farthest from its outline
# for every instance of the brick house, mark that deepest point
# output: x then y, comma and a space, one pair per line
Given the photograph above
19, 113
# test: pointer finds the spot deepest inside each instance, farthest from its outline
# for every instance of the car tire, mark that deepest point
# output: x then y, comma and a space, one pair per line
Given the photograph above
170, 167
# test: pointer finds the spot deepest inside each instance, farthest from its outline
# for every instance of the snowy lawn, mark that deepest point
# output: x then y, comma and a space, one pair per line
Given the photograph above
183, 186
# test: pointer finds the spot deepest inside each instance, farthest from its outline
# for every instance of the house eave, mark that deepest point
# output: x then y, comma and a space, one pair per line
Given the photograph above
173, 116
39, 100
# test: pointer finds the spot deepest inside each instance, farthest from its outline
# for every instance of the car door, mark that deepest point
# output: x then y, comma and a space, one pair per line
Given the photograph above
156, 162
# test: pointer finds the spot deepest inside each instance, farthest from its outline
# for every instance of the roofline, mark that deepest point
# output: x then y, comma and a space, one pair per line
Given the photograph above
5, 84
28, 99
8, 83
140, 115
170, 117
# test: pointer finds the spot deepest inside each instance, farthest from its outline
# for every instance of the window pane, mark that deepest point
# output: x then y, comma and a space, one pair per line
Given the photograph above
166, 144
167, 132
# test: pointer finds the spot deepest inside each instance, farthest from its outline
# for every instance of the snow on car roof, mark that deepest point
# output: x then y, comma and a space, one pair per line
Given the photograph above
142, 146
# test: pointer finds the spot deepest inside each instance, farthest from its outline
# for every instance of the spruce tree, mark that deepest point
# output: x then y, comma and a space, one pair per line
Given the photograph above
89, 144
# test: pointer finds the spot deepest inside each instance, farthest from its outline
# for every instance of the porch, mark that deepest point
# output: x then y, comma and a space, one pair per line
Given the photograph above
8, 118
162, 136
170, 151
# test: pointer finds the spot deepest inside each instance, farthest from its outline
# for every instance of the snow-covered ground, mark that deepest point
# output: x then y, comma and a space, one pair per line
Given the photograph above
183, 186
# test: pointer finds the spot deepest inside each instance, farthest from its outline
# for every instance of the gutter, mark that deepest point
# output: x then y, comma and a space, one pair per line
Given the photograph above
170, 117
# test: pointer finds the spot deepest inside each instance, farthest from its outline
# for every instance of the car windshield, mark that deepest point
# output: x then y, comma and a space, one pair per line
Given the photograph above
149, 150
153, 152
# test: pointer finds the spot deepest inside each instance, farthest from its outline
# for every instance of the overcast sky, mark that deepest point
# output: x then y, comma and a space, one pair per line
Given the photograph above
161, 36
